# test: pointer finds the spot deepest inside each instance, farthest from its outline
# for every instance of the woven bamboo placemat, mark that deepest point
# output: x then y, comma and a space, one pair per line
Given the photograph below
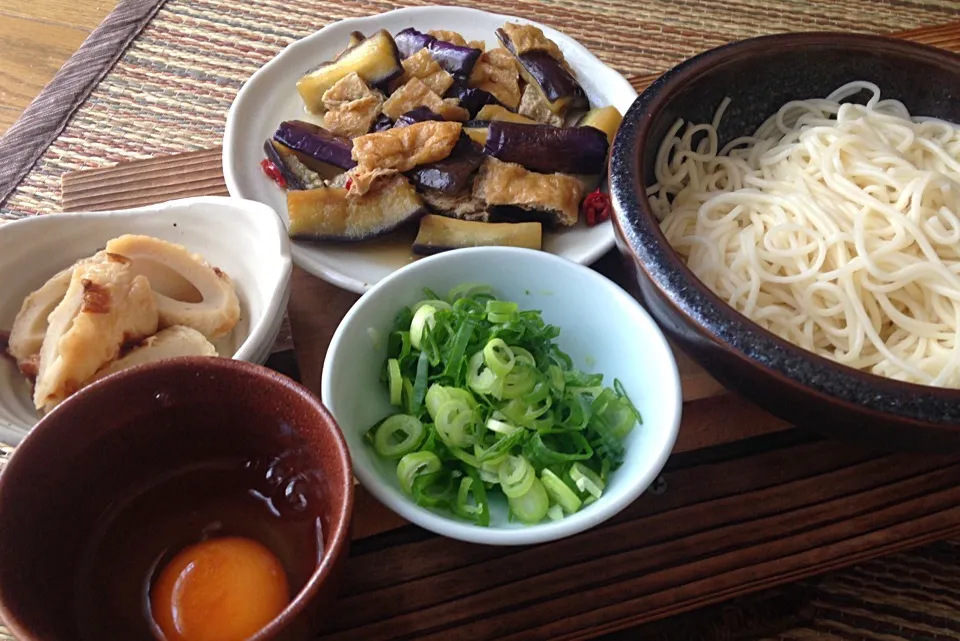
169, 93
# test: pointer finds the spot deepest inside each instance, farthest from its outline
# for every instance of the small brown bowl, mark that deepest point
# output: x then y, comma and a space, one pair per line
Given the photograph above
133, 429
759, 75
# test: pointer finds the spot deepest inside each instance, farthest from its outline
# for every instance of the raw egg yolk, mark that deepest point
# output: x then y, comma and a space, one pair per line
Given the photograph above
224, 589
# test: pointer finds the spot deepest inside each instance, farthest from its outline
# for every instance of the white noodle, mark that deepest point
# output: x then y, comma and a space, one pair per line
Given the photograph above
835, 225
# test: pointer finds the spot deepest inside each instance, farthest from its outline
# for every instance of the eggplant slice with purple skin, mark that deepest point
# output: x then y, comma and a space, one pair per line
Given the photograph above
548, 149
452, 174
456, 60
472, 99
328, 214
561, 90
317, 143
375, 59
293, 180
440, 233
420, 114
382, 123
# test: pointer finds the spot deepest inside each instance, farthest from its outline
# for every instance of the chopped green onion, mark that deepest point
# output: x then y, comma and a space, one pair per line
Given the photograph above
472, 499
500, 427
498, 357
425, 317
413, 465
516, 476
481, 378
469, 290
420, 383
435, 490
558, 491
586, 480
492, 404
523, 356
436, 303
499, 312
532, 506
455, 423
398, 435
395, 382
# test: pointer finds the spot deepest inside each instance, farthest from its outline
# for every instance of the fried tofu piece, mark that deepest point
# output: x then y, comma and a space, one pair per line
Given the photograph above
556, 195
534, 105
351, 106
496, 73
526, 38
452, 37
403, 148
106, 306
414, 93
463, 205
421, 65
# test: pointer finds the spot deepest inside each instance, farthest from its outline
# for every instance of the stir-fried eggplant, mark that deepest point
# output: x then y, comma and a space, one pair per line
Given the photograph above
454, 59
375, 59
273, 155
316, 143
550, 75
329, 213
548, 149
420, 114
471, 98
440, 233
606, 119
382, 123
452, 174
509, 188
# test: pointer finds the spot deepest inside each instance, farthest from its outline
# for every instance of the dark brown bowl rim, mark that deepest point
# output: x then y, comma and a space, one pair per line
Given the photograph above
716, 320
337, 537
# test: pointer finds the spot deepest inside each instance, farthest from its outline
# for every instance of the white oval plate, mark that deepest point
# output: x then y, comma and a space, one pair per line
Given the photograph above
270, 96
243, 238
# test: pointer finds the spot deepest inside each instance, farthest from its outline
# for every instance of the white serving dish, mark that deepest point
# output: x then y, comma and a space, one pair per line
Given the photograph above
243, 238
270, 96
603, 329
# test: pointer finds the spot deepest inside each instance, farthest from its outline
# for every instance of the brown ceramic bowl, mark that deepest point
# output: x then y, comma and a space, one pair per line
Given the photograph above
760, 75
131, 430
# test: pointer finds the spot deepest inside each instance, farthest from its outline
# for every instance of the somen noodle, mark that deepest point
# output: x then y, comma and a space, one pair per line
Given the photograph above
835, 226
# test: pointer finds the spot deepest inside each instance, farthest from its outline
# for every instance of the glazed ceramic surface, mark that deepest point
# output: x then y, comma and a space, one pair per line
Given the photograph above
602, 328
133, 430
243, 238
270, 96
760, 75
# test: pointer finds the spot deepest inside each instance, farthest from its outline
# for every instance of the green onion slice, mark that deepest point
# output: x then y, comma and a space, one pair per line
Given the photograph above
398, 435
586, 480
498, 357
424, 317
395, 382
413, 465
500, 312
516, 476
559, 492
532, 506
455, 421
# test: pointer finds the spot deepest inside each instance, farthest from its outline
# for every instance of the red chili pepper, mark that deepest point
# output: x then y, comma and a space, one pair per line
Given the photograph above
596, 208
273, 172
349, 184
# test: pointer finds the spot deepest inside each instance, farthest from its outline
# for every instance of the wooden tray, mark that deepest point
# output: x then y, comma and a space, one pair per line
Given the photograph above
745, 503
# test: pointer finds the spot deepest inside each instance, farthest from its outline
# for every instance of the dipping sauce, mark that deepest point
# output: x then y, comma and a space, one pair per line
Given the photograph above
209, 553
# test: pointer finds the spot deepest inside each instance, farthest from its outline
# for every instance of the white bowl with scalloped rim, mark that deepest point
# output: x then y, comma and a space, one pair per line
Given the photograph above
602, 328
243, 238
270, 97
